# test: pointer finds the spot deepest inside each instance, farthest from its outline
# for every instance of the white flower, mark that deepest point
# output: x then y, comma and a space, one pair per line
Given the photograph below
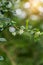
1, 29
11, 29
34, 17
27, 5
20, 13
14, 33
1, 58
2, 40
40, 9
9, 5
23, 15
21, 31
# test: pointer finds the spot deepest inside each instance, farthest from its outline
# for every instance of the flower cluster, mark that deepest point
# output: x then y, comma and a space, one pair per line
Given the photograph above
28, 10
32, 8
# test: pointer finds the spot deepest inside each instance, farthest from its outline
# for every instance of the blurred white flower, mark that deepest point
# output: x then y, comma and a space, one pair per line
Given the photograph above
12, 29
40, 9
1, 58
2, 40
14, 33
34, 17
20, 13
1, 29
9, 5
23, 15
21, 31
27, 5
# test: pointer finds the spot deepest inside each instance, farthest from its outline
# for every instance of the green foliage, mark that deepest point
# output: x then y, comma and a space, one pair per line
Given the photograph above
24, 37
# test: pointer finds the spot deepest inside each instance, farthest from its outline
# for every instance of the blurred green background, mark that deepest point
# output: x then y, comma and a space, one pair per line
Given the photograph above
20, 49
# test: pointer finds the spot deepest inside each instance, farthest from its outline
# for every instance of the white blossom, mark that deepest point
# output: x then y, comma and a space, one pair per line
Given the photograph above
21, 31
27, 5
34, 17
11, 29
14, 33
9, 5
40, 8
2, 40
23, 15
20, 13
1, 58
